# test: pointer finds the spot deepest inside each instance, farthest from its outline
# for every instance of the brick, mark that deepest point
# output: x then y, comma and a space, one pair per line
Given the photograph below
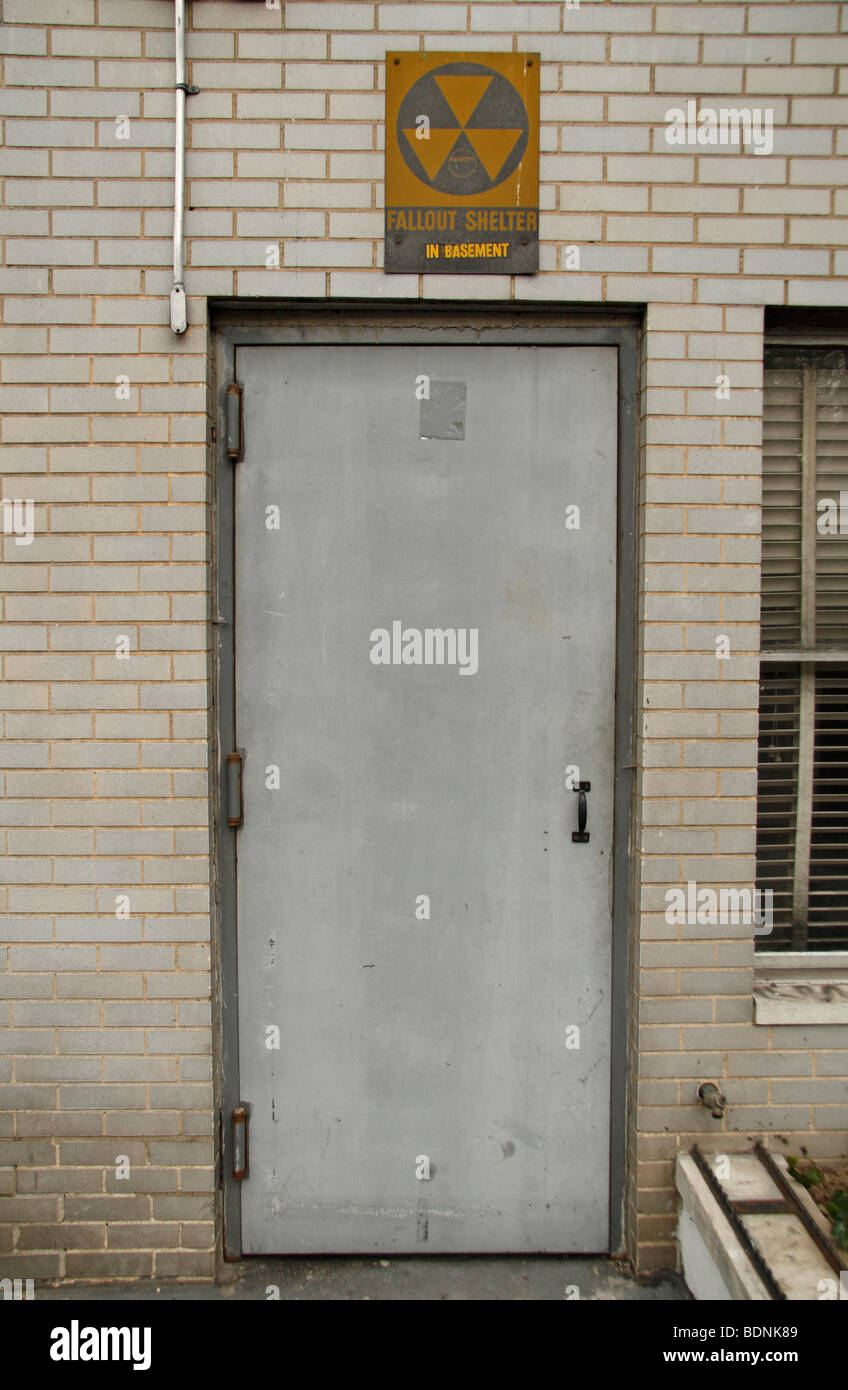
331, 195
786, 200
78, 103
812, 19
830, 1116
52, 12
427, 18
287, 45
95, 44
785, 262
810, 80
676, 19
202, 45
648, 287
327, 135
773, 1117
832, 1064
23, 162
829, 172
181, 928
187, 1154
158, 1124
20, 101
264, 111
734, 230
113, 1264
133, 193
183, 1207
679, 783
277, 224
667, 1010
654, 48
50, 958
25, 1208
828, 51
740, 169
102, 1155
209, 75
803, 1092
356, 106
48, 310
327, 253
181, 1040
719, 291
23, 41
62, 1237
23, 755
185, 1264
195, 1068
61, 1180
179, 756
571, 48
650, 229
48, 72
201, 1234
819, 1036
246, 193
694, 260
100, 1040
27, 1097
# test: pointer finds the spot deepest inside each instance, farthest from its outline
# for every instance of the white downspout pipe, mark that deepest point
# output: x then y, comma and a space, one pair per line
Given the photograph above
179, 322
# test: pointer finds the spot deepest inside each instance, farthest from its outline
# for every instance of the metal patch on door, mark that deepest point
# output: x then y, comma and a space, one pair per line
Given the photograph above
443, 411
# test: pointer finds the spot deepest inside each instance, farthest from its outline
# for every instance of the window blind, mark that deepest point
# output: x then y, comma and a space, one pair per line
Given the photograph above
802, 796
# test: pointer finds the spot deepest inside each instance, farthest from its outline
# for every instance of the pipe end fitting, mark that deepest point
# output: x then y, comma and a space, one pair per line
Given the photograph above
179, 320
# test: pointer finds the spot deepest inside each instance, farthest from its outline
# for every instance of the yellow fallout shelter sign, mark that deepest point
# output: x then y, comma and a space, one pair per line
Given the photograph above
462, 162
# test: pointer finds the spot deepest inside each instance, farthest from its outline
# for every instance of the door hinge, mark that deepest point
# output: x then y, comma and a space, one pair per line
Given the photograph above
233, 417
235, 796
240, 1120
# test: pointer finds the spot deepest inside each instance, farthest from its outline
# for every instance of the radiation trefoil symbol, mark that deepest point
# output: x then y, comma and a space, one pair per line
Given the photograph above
462, 129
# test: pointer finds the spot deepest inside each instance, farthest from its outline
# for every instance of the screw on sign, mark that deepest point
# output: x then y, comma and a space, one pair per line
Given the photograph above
462, 162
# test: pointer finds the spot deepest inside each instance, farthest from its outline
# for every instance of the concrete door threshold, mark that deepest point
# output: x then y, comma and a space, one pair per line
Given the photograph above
508, 1278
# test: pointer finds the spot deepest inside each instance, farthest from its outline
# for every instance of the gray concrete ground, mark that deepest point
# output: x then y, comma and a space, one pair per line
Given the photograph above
438, 1277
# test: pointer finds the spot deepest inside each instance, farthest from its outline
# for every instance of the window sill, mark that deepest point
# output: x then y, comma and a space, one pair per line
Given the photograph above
801, 987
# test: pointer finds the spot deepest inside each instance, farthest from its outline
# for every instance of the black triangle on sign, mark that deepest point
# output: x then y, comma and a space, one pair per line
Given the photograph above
500, 108
434, 105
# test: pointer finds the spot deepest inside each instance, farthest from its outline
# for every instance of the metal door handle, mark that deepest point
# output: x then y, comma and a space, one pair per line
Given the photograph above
580, 836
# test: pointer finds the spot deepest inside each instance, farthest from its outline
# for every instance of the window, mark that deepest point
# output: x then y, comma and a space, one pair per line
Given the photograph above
802, 807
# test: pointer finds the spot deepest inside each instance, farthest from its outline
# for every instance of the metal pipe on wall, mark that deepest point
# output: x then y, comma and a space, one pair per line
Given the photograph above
179, 322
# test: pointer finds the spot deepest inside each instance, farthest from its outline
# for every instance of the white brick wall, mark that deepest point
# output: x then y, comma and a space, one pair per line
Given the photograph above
105, 1025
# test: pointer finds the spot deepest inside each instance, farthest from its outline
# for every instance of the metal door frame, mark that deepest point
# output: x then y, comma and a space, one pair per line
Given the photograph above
281, 323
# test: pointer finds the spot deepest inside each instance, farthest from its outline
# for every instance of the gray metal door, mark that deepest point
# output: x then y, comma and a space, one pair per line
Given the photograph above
425, 619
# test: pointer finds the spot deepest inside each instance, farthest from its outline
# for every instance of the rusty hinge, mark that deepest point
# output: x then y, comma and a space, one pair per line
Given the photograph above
233, 419
240, 1120
235, 796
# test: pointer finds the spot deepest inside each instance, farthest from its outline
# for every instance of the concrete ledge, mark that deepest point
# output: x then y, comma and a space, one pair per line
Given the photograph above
801, 987
715, 1265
